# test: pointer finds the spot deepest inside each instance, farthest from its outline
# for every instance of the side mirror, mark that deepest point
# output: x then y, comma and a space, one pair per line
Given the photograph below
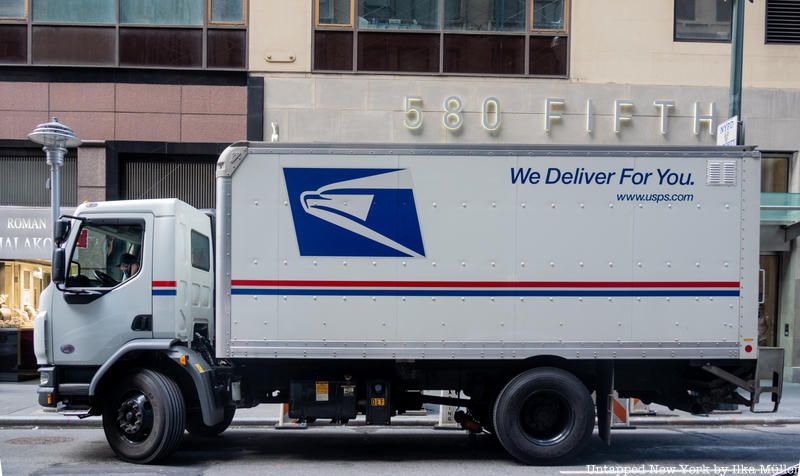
59, 266
61, 231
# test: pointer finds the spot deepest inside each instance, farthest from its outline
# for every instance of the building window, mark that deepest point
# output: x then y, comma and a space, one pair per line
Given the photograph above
501, 37
13, 9
226, 12
75, 11
199, 34
783, 22
703, 20
161, 12
24, 172
335, 12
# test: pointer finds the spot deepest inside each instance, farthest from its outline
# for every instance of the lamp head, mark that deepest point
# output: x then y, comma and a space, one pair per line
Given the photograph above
54, 134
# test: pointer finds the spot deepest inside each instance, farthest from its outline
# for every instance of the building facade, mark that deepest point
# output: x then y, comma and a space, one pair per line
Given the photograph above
175, 81
155, 89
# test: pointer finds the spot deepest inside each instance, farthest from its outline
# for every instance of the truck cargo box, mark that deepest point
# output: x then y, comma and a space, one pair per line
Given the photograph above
446, 252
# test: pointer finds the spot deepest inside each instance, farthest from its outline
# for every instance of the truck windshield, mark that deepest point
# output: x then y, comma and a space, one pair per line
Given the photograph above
105, 255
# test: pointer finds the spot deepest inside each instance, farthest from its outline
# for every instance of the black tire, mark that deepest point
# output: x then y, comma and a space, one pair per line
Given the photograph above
195, 425
144, 417
544, 416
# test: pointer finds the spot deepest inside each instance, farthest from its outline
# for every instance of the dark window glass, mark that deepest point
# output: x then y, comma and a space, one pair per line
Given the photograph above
398, 14
227, 11
548, 14
774, 174
226, 48
406, 52
75, 11
13, 44
488, 54
703, 20
499, 15
333, 12
201, 251
333, 51
73, 45
161, 12
548, 55
160, 47
12, 8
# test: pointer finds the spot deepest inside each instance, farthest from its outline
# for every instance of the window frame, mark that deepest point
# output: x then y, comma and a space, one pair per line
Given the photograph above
527, 33
23, 18
675, 38
204, 28
207, 240
216, 24
100, 221
334, 26
550, 31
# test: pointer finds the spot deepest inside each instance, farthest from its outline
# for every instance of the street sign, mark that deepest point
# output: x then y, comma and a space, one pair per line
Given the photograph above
728, 131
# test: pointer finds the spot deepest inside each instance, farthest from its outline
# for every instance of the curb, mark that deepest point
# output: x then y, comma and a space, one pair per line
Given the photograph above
249, 422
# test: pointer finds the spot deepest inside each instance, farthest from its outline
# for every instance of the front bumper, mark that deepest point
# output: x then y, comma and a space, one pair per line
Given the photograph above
64, 396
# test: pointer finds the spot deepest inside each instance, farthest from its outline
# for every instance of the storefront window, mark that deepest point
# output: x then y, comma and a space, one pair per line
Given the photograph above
105, 255
21, 283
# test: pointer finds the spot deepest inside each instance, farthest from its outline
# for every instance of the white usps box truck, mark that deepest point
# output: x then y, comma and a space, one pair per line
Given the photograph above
345, 280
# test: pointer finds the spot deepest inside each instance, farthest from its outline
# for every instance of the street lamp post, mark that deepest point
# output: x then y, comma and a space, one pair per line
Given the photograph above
737, 47
55, 139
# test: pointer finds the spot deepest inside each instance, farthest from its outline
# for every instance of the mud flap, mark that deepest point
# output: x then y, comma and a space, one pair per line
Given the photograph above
604, 399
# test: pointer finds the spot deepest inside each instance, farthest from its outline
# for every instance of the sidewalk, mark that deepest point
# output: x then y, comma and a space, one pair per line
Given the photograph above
19, 407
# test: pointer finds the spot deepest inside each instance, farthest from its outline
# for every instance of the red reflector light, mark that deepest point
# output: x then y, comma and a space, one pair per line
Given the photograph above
748, 348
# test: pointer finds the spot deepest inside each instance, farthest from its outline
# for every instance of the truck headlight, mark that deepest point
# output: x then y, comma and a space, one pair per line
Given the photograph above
45, 378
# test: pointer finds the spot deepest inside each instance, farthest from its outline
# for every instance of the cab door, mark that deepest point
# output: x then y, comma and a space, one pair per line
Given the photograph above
106, 299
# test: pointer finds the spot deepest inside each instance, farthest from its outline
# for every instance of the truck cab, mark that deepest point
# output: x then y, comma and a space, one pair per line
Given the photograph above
130, 276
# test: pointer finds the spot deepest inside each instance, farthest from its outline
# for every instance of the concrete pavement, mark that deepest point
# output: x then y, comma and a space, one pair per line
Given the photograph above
19, 407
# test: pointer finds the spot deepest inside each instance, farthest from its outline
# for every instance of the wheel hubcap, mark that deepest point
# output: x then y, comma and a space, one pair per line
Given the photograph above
135, 417
547, 417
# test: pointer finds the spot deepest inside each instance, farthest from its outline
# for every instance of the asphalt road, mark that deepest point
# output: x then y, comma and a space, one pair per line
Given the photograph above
370, 451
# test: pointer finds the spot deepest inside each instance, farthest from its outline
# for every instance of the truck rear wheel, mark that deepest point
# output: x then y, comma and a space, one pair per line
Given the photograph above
195, 425
544, 415
144, 417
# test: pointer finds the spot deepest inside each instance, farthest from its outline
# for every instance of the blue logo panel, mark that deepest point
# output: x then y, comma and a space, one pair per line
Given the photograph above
354, 212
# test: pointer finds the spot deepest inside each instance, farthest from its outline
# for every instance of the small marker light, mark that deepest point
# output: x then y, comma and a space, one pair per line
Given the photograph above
748, 348
49, 398
182, 360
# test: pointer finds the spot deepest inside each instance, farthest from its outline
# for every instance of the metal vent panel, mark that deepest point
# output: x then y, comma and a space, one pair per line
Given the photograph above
783, 21
23, 173
721, 172
189, 180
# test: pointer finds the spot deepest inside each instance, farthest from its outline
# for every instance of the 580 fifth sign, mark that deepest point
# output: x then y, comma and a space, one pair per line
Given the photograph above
452, 116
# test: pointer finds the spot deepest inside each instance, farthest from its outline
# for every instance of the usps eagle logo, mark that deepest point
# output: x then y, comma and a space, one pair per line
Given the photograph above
354, 212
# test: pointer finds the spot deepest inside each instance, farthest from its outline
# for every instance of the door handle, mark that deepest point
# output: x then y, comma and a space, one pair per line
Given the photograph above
762, 273
142, 322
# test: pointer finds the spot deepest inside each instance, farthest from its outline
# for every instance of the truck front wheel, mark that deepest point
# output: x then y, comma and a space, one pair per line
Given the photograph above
544, 415
144, 417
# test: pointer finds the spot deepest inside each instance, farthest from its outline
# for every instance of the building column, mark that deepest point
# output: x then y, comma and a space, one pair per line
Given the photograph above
92, 172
